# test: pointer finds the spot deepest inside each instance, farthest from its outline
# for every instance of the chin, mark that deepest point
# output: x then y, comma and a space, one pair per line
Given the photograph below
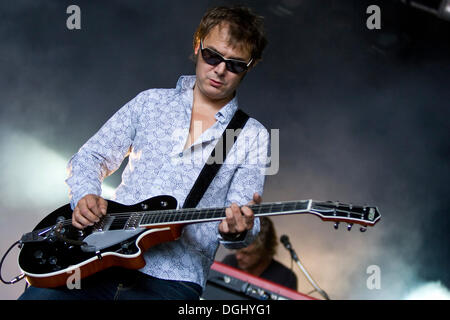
215, 93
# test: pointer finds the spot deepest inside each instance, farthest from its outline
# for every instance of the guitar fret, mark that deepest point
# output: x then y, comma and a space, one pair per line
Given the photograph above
180, 218
173, 216
220, 213
265, 208
198, 214
215, 213
207, 213
301, 205
288, 206
170, 216
189, 215
159, 218
144, 219
193, 214
211, 213
270, 210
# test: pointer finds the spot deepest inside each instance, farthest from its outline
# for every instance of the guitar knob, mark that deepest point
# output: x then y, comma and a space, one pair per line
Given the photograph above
363, 229
336, 225
125, 247
38, 254
349, 226
52, 260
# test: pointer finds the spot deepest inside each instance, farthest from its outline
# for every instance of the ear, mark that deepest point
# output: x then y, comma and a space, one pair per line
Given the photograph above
197, 48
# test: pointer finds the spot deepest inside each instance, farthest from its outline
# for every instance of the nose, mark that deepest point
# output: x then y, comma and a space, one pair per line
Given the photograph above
220, 68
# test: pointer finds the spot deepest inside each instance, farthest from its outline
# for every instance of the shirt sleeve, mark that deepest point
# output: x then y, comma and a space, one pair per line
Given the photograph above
248, 179
103, 153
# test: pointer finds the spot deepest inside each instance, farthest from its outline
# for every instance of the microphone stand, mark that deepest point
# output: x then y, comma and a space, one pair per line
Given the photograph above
308, 277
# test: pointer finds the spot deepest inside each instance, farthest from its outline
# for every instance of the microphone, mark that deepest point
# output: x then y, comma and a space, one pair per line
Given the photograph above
287, 244
285, 241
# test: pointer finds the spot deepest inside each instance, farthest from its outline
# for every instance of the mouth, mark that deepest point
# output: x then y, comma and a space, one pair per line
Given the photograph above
215, 84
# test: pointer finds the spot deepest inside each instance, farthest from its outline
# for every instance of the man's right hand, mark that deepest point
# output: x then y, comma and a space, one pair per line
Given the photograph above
88, 211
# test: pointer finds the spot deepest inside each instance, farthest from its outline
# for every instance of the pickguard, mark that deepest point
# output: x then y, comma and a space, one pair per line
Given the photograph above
99, 240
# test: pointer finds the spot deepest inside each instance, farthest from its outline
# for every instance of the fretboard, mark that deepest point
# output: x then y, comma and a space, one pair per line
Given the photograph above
160, 217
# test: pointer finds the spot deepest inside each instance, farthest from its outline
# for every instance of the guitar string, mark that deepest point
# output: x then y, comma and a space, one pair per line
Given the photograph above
211, 211
193, 211
157, 215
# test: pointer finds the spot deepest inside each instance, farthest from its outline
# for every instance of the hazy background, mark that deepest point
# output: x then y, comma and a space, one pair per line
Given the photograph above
363, 118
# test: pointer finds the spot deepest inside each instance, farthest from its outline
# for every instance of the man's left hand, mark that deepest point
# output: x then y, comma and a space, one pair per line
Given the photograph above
238, 219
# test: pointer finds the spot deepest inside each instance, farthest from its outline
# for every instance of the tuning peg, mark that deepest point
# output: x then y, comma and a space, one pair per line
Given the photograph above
336, 225
349, 226
363, 229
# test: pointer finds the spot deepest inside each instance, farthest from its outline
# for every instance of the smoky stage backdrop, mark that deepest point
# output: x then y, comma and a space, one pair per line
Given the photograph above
363, 118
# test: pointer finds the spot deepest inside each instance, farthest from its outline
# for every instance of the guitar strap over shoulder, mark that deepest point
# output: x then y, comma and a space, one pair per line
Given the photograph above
211, 167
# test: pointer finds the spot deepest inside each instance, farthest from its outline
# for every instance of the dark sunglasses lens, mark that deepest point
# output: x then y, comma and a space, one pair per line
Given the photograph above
211, 57
236, 67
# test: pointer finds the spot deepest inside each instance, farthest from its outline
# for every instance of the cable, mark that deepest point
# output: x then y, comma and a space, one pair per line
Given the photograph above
19, 277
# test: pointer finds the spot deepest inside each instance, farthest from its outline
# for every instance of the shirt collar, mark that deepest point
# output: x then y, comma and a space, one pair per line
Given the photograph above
224, 115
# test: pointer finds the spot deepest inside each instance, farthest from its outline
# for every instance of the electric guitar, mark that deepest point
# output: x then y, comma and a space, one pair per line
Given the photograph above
55, 249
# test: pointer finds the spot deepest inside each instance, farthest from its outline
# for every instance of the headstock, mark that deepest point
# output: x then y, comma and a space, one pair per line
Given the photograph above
366, 216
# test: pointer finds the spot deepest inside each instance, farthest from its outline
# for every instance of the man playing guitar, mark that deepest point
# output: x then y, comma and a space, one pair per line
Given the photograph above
165, 133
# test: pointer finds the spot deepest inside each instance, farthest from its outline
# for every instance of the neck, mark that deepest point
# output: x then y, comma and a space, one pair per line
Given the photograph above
203, 102
189, 215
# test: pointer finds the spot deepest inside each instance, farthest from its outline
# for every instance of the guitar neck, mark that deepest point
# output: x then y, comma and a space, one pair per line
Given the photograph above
327, 211
214, 214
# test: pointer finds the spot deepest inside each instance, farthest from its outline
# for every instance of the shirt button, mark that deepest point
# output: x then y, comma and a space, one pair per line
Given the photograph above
180, 154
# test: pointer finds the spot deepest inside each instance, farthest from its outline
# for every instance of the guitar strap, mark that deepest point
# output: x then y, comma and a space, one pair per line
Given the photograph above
211, 168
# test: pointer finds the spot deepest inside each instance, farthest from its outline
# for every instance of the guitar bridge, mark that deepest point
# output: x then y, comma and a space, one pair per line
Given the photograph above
37, 236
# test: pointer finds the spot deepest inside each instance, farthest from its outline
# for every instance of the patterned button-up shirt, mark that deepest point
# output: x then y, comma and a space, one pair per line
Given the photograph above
152, 130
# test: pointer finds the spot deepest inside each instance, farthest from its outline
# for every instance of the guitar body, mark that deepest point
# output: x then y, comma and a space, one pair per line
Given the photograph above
114, 241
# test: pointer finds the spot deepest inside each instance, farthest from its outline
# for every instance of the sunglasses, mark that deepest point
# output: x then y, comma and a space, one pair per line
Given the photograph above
214, 58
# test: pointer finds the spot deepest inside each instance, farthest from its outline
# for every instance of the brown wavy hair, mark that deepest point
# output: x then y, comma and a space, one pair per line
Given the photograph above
267, 237
245, 27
